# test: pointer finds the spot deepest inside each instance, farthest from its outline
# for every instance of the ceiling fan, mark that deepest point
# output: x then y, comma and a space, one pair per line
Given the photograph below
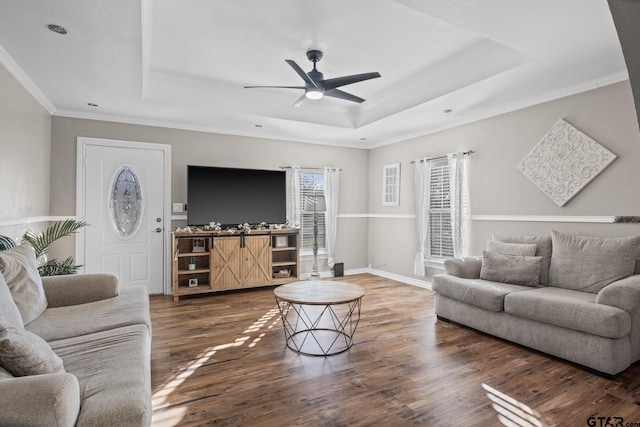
315, 85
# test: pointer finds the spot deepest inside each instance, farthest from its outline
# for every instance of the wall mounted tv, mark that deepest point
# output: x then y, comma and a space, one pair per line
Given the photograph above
234, 196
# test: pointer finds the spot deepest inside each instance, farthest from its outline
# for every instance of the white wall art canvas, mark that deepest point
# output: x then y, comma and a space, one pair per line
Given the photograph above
564, 162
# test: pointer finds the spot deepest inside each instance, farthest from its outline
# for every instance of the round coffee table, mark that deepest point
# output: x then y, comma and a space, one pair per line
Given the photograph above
319, 317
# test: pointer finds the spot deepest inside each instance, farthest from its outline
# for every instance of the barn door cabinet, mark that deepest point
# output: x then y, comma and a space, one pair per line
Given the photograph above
226, 261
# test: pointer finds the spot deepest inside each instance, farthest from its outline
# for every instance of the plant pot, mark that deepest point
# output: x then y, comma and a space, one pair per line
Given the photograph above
192, 266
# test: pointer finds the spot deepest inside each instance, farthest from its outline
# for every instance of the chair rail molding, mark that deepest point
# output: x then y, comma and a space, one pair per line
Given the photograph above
32, 220
545, 218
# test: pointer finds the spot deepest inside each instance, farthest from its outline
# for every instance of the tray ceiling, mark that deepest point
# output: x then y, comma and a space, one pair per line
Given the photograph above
184, 64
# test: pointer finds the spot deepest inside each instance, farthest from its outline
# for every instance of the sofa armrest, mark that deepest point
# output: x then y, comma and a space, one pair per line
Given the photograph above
623, 294
40, 400
465, 268
77, 289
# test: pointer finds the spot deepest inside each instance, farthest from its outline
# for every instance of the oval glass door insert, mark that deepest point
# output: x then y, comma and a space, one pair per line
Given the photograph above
126, 202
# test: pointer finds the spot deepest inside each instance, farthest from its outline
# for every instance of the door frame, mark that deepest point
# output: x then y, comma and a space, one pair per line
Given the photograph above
82, 144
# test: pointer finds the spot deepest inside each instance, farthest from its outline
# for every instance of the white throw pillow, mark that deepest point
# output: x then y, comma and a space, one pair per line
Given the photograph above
19, 267
9, 315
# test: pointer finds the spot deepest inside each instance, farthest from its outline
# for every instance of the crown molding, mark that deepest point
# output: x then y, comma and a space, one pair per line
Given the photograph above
18, 73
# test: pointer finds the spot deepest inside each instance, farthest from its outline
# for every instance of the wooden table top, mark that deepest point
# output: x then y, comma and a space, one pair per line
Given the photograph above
319, 292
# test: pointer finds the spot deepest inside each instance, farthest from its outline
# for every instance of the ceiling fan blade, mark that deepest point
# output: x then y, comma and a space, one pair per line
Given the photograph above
347, 80
300, 101
337, 93
277, 87
301, 72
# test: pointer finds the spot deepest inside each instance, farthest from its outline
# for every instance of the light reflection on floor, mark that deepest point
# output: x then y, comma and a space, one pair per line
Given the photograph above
172, 416
511, 412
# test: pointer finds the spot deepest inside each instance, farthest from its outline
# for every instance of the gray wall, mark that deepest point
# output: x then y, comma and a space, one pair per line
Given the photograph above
25, 129
199, 148
497, 188
32, 141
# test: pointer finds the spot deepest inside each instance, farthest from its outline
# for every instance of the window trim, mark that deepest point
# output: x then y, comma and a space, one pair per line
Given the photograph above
308, 251
391, 190
443, 166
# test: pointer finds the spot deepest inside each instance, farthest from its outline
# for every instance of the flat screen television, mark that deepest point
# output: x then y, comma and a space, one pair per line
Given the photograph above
233, 196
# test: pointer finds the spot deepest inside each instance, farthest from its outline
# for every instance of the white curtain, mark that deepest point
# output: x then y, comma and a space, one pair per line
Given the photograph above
423, 195
293, 196
332, 194
459, 200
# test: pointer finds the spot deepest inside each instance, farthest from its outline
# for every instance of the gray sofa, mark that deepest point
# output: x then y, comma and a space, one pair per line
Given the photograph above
83, 355
584, 306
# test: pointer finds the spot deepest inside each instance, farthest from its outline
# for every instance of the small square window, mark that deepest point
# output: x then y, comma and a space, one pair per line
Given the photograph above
391, 185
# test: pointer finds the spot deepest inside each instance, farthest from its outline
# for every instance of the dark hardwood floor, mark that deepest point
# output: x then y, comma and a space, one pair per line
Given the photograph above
221, 360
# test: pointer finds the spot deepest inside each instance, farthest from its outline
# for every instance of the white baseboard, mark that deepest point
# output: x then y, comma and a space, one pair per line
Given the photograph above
400, 278
381, 273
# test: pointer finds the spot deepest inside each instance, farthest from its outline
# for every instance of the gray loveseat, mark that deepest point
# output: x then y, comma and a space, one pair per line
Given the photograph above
74, 350
582, 304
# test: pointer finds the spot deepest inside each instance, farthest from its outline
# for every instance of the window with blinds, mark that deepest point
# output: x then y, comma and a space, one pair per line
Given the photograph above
311, 184
440, 241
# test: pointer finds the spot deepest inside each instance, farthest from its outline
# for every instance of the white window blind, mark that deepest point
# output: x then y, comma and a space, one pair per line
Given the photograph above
441, 242
311, 184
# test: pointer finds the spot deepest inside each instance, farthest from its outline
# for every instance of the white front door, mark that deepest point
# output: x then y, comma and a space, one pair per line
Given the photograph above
123, 201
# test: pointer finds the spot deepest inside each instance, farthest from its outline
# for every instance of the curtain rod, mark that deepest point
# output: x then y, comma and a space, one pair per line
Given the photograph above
466, 153
302, 167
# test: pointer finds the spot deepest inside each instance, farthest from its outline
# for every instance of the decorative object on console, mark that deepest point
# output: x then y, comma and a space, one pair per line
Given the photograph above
315, 204
193, 282
192, 263
198, 245
564, 162
281, 241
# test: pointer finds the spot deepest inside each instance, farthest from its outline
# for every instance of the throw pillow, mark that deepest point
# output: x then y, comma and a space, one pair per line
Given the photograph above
588, 264
9, 315
516, 270
24, 353
19, 267
544, 250
515, 249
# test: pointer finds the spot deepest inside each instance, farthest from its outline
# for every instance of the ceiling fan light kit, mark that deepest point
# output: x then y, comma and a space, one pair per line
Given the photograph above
316, 86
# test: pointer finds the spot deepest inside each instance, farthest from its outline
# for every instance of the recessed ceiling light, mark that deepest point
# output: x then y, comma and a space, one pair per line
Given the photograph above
57, 29
258, 126
91, 104
363, 139
447, 111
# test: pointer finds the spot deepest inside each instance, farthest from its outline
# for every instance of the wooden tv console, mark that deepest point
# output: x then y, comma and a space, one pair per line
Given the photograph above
225, 261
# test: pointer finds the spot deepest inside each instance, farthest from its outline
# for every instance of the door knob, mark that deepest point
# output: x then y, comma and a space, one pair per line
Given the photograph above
158, 230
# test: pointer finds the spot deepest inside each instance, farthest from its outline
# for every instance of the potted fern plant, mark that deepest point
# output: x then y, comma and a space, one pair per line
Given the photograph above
41, 242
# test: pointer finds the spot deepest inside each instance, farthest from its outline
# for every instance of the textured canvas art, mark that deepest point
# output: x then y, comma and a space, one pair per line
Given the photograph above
564, 162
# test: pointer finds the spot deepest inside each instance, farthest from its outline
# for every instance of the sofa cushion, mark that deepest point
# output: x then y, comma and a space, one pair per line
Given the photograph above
19, 267
4, 374
515, 249
543, 250
130, 307
481, 293
569, 309
113, 370
23, 353
516, 270
9, 315
588, 264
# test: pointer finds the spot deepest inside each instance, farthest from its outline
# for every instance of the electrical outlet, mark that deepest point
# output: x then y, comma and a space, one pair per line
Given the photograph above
178, 207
